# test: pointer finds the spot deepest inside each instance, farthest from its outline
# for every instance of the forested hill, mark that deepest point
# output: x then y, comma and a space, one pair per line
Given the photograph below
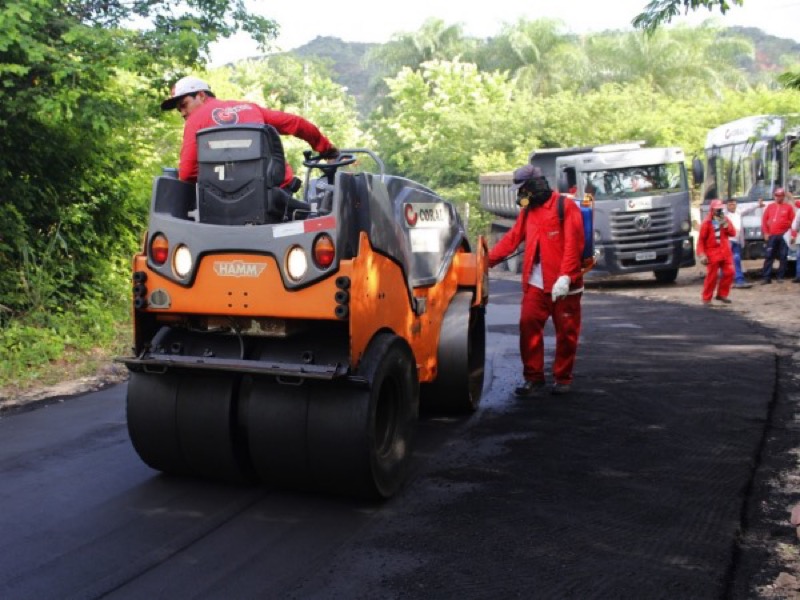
346, 63
346, 60
770, 50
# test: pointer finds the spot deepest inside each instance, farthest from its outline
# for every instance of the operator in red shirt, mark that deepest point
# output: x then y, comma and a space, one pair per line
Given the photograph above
200, 109
775, 222
552, 283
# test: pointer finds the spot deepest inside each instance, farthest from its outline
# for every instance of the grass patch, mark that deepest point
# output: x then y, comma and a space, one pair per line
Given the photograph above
47, 347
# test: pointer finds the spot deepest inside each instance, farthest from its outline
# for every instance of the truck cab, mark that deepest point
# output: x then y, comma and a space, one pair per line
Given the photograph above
641, 207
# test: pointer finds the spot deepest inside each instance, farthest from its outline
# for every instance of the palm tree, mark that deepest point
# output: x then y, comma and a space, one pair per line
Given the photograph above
677, 62
433, 41
538, 55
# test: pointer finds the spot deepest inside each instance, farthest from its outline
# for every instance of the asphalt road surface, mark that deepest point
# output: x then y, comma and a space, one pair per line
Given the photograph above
636, 485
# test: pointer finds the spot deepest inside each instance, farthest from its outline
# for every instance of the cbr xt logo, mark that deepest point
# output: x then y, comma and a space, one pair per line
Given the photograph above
238, 268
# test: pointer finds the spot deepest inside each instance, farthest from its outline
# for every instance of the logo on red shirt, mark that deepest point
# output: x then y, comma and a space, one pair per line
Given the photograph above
225, 116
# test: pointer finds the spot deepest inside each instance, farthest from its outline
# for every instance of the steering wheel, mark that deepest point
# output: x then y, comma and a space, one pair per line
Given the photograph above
315, 162
328, 168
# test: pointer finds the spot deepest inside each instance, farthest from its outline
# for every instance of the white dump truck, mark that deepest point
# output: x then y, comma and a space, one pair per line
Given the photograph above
641, 204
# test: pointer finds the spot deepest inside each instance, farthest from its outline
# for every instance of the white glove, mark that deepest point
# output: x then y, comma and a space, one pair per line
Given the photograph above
561, 287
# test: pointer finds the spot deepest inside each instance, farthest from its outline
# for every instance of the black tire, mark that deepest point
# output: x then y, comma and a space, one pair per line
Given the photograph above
151, 411
185, 422
276, 418
361, 439
461, 356
666, 275
208, 428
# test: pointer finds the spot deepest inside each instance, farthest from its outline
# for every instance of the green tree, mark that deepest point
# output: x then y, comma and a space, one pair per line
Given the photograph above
660, 12
540, 56
681, 61
77, 107
433, 41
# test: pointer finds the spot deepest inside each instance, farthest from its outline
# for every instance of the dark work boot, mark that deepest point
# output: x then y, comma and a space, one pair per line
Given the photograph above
529, 388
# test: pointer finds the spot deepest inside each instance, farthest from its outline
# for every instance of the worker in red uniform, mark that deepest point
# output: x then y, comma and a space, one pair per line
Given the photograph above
552, 283
775, 222
200, 109
714, 251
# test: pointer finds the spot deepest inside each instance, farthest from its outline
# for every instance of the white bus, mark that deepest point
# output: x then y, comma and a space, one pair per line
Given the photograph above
747, 159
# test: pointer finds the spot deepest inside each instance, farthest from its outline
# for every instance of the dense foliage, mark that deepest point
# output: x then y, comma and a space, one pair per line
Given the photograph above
80, 138
82, 135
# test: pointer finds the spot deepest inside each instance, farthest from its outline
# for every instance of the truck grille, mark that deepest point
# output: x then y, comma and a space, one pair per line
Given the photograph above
642, 231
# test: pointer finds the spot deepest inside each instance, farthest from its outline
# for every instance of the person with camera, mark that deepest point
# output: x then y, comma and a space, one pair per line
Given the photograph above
552, 281
714, 251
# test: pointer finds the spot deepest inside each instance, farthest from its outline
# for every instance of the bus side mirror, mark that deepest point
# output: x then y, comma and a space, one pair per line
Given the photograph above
697, 171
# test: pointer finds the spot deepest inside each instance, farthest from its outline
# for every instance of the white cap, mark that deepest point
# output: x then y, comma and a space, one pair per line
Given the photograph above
183, 87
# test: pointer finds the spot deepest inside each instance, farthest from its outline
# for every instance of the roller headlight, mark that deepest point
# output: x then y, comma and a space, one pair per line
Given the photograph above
182, 261
296, 263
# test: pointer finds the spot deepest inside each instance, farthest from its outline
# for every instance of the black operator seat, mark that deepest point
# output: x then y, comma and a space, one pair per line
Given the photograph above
240, 170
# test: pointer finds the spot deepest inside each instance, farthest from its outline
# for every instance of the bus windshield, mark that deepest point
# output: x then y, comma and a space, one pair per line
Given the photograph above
645, 180
742, 171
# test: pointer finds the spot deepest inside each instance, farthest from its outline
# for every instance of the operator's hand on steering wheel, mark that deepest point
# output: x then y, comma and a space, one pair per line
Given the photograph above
331, 152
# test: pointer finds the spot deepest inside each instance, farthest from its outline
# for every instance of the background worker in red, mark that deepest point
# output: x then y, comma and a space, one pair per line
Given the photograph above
775, 222
200, 109
714, 251
552, 282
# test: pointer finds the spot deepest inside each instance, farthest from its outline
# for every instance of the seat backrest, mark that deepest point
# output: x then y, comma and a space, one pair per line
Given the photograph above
240, 170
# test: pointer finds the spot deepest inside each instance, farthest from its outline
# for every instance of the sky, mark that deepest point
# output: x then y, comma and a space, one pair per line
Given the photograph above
376, 21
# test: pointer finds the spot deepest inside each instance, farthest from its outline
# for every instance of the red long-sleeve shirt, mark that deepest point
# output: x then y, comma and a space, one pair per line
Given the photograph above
777, 218
559, 247
215, 113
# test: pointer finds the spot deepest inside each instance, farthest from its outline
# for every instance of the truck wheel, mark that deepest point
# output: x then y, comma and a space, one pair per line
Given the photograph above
460, 359
666, 276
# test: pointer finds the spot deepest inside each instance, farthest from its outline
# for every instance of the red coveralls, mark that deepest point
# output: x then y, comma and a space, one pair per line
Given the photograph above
215, 113
559, 249
720, 257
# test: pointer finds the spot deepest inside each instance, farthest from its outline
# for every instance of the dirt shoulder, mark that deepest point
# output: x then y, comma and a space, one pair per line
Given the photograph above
776, 305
